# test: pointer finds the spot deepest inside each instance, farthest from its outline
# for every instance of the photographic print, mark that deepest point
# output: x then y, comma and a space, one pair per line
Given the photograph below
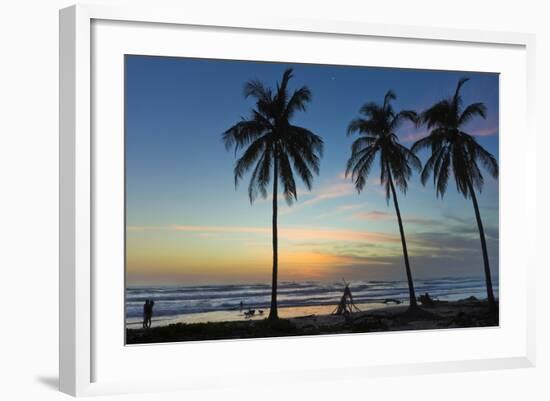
267, 199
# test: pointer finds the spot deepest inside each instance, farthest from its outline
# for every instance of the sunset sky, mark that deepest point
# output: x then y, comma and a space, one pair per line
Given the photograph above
187, 224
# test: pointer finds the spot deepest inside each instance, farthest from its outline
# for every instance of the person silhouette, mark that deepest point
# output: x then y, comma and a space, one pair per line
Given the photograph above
149, 313
145, 313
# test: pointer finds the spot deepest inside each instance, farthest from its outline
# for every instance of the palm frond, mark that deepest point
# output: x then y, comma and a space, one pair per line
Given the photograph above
473, 110
304, 162
390, 95
402, 116
287, 179
488, 161
242, 133
354, 160
456, 101
298, 101
309, 142
459, 85
256, 89
370, 110
442, 172
410, 158
360, 165
429, 166
423, 143
362, 126
361, 143
256, 184
245, 162
437, 116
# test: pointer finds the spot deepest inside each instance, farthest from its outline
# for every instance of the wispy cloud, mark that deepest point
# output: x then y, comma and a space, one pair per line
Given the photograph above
341, 210
485, 132
374, 216
377, 215
481, 132
353, 206
337, 188
413, 136
291, 234
333, 191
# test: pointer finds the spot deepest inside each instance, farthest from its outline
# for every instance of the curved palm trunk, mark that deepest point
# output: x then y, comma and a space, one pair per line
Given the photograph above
488, 281
412, 295
273, 310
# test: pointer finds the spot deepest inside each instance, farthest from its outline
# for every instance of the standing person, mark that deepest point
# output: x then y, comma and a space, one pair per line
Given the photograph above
241, 307
150, 313
145, 313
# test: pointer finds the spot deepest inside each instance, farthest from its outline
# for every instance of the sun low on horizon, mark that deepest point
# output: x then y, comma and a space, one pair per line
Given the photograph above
187, 223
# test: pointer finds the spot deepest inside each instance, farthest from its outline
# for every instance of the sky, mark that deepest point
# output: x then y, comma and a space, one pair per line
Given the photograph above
187, 223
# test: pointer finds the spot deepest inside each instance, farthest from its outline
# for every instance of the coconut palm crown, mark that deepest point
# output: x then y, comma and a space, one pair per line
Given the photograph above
454, 150
274, 150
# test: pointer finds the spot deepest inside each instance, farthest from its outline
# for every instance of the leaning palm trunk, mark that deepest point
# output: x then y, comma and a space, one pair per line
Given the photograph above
412, 295
273, 310
488, 281
378, 139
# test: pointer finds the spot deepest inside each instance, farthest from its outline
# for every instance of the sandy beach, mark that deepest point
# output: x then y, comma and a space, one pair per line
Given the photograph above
378, 318
236, 315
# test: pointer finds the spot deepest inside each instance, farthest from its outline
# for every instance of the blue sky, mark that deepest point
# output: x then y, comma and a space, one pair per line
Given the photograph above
188, 224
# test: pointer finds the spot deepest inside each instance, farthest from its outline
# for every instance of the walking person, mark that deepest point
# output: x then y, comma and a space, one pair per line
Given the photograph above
149, 315
145, 313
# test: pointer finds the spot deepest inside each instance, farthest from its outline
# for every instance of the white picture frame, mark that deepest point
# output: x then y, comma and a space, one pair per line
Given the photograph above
78, 161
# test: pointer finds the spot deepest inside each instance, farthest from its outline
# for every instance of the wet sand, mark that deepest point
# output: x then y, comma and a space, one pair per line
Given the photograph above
235, 315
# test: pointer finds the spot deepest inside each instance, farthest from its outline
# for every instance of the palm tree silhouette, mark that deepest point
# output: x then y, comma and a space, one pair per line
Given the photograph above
377, 137
275, 146
454, 151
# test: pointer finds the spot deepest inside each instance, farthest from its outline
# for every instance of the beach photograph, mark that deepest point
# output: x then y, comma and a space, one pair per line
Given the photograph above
271, 199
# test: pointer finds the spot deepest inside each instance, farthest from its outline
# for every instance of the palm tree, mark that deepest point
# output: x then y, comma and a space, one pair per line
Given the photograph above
273, 147
377, 137
457, 152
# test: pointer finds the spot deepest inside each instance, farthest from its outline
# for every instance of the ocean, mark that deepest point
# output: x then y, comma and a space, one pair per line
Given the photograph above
222, 302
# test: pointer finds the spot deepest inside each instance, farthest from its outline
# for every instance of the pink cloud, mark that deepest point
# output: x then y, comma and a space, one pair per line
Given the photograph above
413, 136
333, 191
387, 216
354, 206
482, 132
485, 132
374, 216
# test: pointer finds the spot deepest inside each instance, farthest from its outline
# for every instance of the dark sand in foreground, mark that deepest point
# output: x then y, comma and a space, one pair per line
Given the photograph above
443, 315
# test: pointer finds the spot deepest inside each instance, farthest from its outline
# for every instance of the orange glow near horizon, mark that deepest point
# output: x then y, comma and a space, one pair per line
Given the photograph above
210, 253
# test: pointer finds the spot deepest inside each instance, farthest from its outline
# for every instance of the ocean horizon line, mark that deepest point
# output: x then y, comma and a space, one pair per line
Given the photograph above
494, 275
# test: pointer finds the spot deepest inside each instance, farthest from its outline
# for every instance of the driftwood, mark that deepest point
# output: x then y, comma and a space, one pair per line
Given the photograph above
429, 301
346, 305
391, 300
426, 300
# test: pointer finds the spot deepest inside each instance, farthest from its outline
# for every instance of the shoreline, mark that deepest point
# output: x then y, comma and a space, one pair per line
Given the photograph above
443, 315
287, 312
